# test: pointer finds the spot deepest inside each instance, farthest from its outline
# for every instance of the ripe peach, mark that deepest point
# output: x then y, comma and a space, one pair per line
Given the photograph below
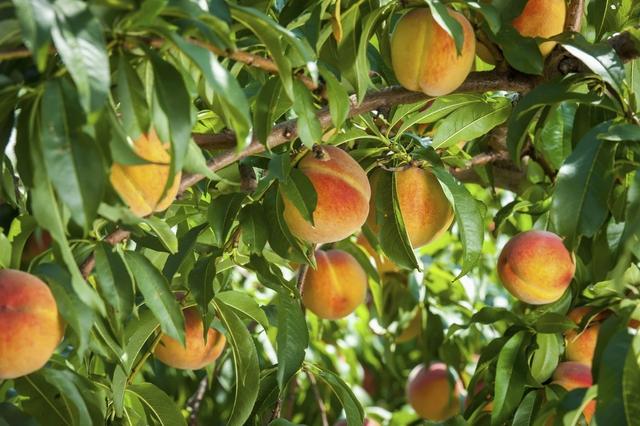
337, 287
581, 345
142, 186
424, 56
36, 244
382, 262
425, 209
31, 325
433, 393
197, 354
536, 267
573, 375
343, 197
542, 18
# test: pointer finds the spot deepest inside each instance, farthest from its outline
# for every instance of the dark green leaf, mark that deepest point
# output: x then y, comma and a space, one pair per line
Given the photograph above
115, 282
254, 227
201, 280
292, 339
133, 104
511, 374
36, 18
300, 192
244, 305
338, 98
160, 407
309, 129
222, 213
185, 248
351, 405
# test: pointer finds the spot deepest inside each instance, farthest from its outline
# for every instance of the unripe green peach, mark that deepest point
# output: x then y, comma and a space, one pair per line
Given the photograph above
31, 325
536, 267
542, 18
433, 393
424, 55
343, 194
142, 186
337, 287
197, 353
425, 209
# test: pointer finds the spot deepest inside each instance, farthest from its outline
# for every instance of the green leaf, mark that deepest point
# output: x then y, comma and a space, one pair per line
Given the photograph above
545, 357
440, 13
469, 217
579, 205
247, 369
293, 337
300, 192
470, 122
338, 98
157, 404
350, 403
44, 401
280, 238
264, 113
223, 211
631, 383
525, 413
186, 244
73, 160
133, 103
158, 298
163, 231
309, 128
36, 18
254, 227
245, 305
511, 374
115, 282
11, 415
226, 88
522, 53
62, 381
79, 40
201, 280
554, 141
393, 235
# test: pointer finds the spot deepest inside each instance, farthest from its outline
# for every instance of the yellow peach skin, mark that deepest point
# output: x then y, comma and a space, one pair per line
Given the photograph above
581, 344
535, 267
343, 193
197, 354
336, 287
542, 18
424, 55
425, 209
573, 375
142, 186
31, 325
433, 393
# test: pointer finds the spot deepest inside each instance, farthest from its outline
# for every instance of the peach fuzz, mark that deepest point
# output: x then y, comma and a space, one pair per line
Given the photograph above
31, 325
197, 354
383, 263
573, 375
432, 392
581, 344
535, 267
542, 18
425, 209
142, 186
424, 55
337, 287
343, 197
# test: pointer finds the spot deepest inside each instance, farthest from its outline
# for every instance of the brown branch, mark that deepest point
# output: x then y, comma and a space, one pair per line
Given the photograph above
195, 401
113, 238
318, 397
573, 21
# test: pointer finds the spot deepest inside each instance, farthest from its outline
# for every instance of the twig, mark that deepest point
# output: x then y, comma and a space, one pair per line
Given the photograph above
575, 10
114, 238
319, 401
195, 401
248, 180
276, 410
302, 274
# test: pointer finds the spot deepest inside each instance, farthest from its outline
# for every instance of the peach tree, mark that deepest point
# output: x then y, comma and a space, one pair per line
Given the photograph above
284, 212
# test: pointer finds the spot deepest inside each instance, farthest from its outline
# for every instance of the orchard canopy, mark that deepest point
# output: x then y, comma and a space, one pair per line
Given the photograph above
319, 212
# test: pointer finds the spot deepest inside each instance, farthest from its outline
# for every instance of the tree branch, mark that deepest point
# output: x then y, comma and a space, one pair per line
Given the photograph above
319, 401
194, 402
575, 10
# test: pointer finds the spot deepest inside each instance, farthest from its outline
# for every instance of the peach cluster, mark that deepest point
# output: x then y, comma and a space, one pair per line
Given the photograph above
31, 325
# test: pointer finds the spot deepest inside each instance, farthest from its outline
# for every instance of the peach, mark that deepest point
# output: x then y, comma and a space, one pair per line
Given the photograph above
343, 194
383, 263
573, 375
413, 329
581, 345
336, 287
433, 393
425, 209
36, 244
197, 354
31, 325
542, 18
424, 55
535, 267
142, 186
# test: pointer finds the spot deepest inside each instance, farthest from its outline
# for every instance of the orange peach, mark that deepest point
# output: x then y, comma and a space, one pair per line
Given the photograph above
542, 18
424, 55
573, 375
36, 244
31, 325
536, 267
382, 262
425, 209
343, 194
197, 354
336, 287
433, 393
142, 186
581, 345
